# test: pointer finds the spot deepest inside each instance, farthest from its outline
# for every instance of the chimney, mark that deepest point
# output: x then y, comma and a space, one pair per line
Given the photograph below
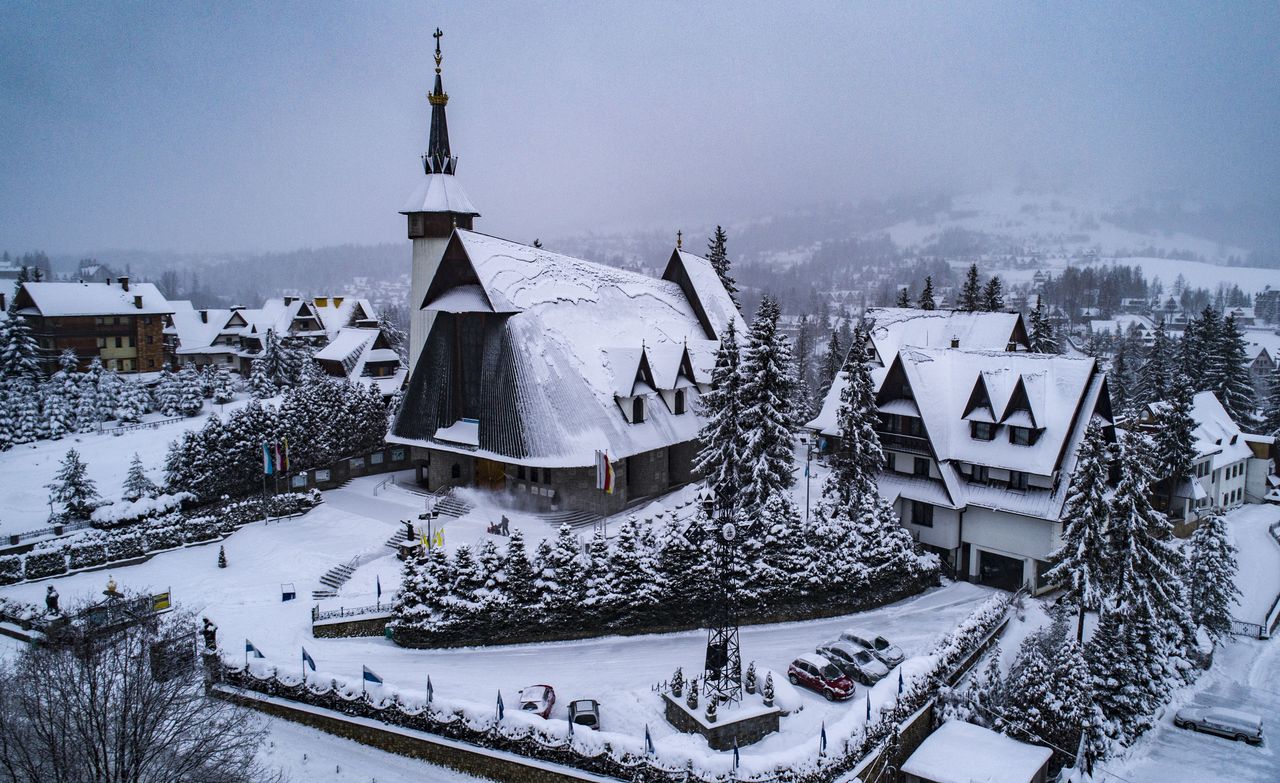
322, 301
288, 300
955, 341
124, 283
337, 301
204, 316
137, 301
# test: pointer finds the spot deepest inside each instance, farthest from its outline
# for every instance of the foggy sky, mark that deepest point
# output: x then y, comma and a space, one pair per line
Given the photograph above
271, 126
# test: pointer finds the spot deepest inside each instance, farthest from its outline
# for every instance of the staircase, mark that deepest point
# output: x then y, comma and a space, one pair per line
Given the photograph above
447, 505
576, 520
335, 578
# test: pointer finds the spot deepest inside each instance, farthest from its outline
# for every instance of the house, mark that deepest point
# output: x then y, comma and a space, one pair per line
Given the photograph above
1231, 467
979, 442
204, 337
1124, 324
959, 752
116, 321
536, 361
1262, 352
363, 354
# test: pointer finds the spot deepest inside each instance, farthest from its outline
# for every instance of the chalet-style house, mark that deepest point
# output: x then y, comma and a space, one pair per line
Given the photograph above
980, 441
959, 752
116, 321
363, 354
1232, 467
527, 363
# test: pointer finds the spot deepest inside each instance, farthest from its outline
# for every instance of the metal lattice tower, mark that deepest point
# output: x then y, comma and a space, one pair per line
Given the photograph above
722, 673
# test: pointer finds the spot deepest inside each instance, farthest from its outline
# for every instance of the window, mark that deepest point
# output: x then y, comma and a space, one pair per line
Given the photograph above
1021, 436
455, 471
915, 426
679, 401
299, 480
982, 430
980, 474
1017, 479
151, 364
131, 343
921, 514
102, 342
891, 460
637, 410
119, 342
520, 474
377, 458
921, 467
357, 463
397, 455
322, 475
99, 321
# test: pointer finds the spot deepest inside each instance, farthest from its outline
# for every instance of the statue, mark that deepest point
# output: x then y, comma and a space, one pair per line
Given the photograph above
210, 634
51, 600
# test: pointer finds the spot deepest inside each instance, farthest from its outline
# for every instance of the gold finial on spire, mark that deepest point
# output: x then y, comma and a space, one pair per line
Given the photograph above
439, 57
679, 239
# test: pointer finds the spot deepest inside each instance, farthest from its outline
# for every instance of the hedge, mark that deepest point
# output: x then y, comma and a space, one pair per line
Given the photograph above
47, 563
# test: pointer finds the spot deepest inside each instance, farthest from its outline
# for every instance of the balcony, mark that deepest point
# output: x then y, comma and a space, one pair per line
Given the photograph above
904, 442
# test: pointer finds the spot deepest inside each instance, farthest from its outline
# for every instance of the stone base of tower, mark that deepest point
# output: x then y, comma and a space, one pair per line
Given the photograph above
741, 724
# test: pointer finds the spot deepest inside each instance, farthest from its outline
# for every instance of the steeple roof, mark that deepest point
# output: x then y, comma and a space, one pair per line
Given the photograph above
438, 159
440, 191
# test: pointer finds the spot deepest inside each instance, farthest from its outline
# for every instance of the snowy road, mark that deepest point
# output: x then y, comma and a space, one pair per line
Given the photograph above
1258, 558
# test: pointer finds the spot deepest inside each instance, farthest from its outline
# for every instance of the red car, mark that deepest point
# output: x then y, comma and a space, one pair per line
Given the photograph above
816, 672
538, 699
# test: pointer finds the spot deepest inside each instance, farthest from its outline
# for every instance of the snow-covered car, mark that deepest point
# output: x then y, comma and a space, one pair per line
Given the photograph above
538, 699
888, 652
854, 661
1232, 724
585, 712
817, 673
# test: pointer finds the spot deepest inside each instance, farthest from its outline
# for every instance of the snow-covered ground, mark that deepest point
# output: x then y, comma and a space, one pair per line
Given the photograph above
1258, 557
307, 755
26, 469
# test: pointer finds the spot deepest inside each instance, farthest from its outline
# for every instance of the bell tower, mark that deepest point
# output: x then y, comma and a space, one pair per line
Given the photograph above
437, 206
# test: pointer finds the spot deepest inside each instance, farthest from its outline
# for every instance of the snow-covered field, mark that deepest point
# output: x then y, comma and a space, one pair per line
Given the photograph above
26, 469
307, 755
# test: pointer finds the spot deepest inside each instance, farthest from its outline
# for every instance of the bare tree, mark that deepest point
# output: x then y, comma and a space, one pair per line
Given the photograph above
115, 710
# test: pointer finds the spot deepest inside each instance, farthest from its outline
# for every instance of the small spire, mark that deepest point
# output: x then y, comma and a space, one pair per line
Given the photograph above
679, 239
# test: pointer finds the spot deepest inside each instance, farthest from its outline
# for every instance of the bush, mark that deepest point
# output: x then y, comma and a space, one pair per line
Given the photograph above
163, 536
10, 569
125, 545
46, 563
202, 529
88, 553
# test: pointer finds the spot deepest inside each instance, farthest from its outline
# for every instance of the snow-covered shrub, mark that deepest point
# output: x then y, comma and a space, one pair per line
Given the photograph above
10, 569
125, 545
163, 536
89, 551
119, 514
49, 562
202, 529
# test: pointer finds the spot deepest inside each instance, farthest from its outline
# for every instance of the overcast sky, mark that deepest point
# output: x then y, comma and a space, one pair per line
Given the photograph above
270, 126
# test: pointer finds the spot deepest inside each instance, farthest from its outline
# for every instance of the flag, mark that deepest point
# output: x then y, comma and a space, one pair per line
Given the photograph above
308, 660
648, 742
369, 676
899, 682
599, 470
275, 455
249, 648
377, 580
868, 705
426, 543
735, 754
608, 475
266, 459
285, 464
431, 692
500, 710
440, 537
806, 470
822, 743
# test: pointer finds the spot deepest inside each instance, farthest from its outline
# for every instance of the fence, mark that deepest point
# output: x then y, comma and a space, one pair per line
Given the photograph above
141, 425
356, 611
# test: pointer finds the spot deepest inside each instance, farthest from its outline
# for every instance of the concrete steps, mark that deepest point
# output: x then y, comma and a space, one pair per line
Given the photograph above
335, 578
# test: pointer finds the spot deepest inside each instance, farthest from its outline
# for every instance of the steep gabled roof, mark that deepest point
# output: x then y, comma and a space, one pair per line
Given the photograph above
66, 299
893, 327
706, 293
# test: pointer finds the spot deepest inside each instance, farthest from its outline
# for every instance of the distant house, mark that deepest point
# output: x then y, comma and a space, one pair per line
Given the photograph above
1262, 351
363, 354
116, 321
960, 752
980, 442
1142, 327
1232, 467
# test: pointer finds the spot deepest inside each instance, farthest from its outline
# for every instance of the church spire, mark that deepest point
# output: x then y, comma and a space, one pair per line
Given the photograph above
438, 159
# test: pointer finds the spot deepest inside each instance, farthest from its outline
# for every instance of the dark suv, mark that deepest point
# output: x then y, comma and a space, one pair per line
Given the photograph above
819, 674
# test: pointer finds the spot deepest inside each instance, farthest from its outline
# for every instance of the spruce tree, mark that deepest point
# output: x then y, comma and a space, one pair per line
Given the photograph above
19, 350
685, 569
519, 576
559, 586
904, 297
926, 300
833, 360
273, 362
1271, 410
1042, 338
1173, 437
72, 486
718, 256
1229, 374
1080, 565
635, 572
190, 397
601, 599
6, 423
136, 483
24, 409
1155, 381
1048, 696
88, 411
721, 459
169, 393
858, 459
993, 295
971, 293
1200, 350
55, 410
260, 384
1211, 572
222, 557
768, 455
222, 392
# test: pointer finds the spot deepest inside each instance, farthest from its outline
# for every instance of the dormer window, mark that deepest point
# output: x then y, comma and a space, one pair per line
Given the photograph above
982, 430
1022, 436
679, 403
637, 410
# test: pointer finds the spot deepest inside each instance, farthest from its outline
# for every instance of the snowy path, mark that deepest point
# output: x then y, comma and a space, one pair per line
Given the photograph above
1258, 558
330, 759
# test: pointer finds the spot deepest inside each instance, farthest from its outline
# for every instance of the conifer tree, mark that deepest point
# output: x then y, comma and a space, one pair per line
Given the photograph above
1200, 341
19, 350
6, 423
904, 297
1122, 672
190, 397
1049, 692
785, 571
208, 375
1271, 410
222, 391
1173, 437
1229, 374
858, 460
685, 569
926, 300
519, 577
971, 293
87, 408
1211, 572
466, 582
24, 410
169, 393
222, 557
718, 256
635, 572
559, 586
993, 295
767, 416
56, 411
721, 460
409, 610
1042, 338
601, 600
260, 384
833, 360
1080, 565
136, 483
72, 486
273, 362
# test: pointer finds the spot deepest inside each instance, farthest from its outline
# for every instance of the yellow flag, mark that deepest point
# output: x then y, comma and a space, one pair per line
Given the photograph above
425, 543
440, 537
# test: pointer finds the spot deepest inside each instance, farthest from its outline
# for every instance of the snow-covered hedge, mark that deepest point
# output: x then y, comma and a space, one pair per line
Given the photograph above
88, 551
120, 514
125, 545
202, 529
46, 563
10, 569
161, 537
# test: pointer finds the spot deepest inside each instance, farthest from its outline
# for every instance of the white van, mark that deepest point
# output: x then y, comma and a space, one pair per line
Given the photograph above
1232, 724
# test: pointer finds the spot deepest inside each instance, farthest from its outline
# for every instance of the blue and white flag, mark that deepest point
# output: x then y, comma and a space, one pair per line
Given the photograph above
431, 692
648, 741
369, 676
735, 754
249, 648
806, 470
822, 744
500, 709
308, 660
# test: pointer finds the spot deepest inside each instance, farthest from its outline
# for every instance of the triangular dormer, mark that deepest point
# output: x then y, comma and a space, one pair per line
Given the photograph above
979, 407
1018, 412
456, 275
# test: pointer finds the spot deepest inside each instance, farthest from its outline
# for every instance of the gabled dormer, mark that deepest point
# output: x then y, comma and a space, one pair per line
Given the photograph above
896, 401
634, 384
980, 413
1020, 417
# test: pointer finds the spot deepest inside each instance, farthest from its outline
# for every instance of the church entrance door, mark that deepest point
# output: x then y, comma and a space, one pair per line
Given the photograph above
490, 474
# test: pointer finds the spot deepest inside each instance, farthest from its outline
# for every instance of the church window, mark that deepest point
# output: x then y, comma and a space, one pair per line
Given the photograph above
679, 401
455, 471
637, 410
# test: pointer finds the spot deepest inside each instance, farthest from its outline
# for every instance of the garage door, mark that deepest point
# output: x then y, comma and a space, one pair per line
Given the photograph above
999, 571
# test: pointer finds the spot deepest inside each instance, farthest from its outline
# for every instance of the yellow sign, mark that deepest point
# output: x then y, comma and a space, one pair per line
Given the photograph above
161, 602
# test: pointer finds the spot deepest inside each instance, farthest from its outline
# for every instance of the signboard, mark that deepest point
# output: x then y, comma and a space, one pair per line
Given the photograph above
161, 602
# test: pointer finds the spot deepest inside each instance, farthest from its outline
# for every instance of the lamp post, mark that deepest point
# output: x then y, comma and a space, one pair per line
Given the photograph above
722, 673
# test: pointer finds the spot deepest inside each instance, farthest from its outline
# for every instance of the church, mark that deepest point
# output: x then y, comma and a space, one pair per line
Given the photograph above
530, 370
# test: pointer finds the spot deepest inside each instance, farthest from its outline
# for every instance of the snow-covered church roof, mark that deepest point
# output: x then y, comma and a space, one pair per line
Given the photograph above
571, 342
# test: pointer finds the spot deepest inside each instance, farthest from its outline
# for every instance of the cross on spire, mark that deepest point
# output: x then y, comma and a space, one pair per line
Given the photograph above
439, 57
679, 239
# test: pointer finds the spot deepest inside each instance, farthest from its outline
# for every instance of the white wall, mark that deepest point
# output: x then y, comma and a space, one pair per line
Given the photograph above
427, 253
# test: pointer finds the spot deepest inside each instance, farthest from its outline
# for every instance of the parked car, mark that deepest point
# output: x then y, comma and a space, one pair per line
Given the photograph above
538, 699
816, 672
854, 661
888, 652
585, 712
1232, 724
